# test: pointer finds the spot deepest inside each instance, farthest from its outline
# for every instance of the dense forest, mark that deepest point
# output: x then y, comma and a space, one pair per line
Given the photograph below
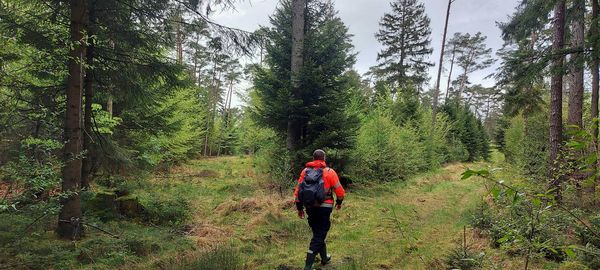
146, 135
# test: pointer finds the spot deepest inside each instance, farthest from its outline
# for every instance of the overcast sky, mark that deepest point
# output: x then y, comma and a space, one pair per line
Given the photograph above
362, 17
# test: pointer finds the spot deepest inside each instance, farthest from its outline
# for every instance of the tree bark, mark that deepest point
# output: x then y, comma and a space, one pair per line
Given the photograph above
89, 98
179, 37
463, 80
595, 66
109, 105
436, 91
230, 98
294, 125
556, 93
450, 73
575, 118
69, 218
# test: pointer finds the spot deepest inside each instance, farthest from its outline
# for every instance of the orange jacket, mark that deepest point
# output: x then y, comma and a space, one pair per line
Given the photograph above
331, 182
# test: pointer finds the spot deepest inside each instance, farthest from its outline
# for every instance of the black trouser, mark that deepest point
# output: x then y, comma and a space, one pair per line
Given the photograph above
318, 219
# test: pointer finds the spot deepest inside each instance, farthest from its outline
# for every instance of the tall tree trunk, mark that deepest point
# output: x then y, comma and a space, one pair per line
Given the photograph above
530, 85
450, 73
488, 109
577, 65
230, 97
195, 68
87, 161
226, 115
179, 37
463, 80
556, 93
109, 105
294, 125
69, 218
595, 66
436, 91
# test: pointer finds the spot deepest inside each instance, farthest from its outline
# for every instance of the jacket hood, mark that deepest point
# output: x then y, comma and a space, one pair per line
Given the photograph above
316, 164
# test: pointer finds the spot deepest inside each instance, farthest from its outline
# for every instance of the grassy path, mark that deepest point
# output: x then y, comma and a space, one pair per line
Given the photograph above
404, 225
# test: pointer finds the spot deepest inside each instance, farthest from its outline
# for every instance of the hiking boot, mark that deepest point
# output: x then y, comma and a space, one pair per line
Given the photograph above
310, 260
325, 260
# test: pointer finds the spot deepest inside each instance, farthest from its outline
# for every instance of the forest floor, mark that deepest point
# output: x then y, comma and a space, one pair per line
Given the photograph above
401, 225
412, 224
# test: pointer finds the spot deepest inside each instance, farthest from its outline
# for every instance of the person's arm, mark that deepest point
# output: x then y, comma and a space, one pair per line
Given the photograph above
299, 205
338, 189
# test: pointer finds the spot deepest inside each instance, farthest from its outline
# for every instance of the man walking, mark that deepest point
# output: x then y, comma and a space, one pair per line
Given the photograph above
314, 191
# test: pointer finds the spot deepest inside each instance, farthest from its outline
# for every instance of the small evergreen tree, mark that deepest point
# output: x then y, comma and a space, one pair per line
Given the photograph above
468, 130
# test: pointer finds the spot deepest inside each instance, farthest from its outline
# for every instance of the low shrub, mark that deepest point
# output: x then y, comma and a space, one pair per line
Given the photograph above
482, 217
526, 144
509, 224
273, 161
590, 254
173, 211
385, 152
456, 150
463, 258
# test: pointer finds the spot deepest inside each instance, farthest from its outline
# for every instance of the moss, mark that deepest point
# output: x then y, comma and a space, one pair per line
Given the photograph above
130, 206
142, 247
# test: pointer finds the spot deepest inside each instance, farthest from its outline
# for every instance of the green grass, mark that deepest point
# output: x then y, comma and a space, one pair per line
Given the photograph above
400, 225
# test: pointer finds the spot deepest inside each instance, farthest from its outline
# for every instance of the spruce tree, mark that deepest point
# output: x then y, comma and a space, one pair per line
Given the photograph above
324, 87
406, 37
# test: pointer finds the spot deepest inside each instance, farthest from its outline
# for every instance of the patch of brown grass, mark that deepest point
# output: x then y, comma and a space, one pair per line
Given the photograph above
253, 205
208, 235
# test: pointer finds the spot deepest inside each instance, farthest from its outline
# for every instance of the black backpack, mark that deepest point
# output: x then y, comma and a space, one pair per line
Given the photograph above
311, 192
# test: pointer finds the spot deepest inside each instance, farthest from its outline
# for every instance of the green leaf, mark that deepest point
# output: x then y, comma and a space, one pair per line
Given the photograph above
591, 159
495, 192
504, 239
570, 253
470, 173
576, 145
516, 198
553, 250
536, 202
467, 174
483, 173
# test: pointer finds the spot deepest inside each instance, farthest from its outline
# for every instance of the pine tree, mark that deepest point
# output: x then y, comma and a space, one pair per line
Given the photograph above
472, 54
452, 48
405, 34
